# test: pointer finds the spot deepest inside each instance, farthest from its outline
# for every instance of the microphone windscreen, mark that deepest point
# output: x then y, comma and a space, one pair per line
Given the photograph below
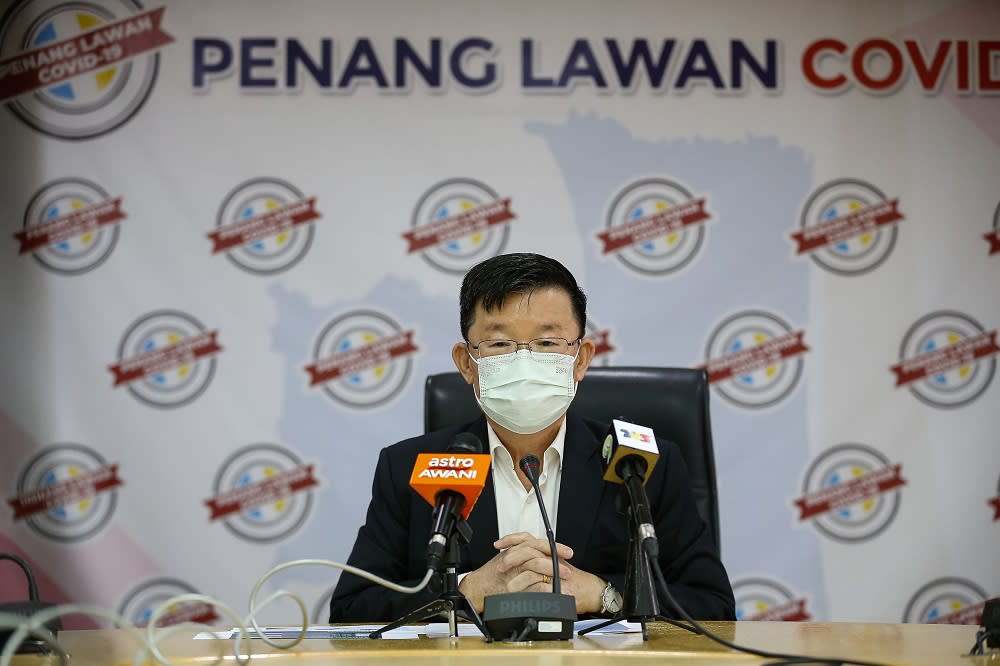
466, 442
529, 464
628, 439
456, 470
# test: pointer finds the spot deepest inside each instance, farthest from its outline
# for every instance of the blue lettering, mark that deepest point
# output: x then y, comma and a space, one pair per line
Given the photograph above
528, 79
740, 55
699, 52
296, 54
248, 62
211, 56
362, 63
588, 68
458, 61
430, 73
626, 69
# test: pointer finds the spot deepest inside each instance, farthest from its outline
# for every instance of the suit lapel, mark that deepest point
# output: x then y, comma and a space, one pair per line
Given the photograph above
580, 488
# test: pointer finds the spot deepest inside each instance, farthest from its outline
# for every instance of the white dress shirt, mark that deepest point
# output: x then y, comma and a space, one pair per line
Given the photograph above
517, 508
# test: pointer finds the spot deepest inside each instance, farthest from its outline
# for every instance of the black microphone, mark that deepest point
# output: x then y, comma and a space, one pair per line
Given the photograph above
25, 609
529, 464
449, 504
532, 616
629, 455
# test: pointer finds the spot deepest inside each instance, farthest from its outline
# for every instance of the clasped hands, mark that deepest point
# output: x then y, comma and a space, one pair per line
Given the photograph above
524, 564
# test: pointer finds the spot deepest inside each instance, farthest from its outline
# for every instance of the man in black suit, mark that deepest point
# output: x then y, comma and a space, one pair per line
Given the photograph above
522, 317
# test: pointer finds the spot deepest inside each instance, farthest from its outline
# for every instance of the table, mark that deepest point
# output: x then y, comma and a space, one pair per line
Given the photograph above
896, 644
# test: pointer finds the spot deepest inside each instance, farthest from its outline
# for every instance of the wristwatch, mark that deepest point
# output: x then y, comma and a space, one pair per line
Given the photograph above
611, 600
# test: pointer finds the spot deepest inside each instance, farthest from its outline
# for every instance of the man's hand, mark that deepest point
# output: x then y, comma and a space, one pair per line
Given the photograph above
520, 566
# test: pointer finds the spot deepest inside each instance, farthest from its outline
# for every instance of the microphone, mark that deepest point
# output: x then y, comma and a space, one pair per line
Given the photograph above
629, 455
529, 464
532, 616
25, 609
451, 483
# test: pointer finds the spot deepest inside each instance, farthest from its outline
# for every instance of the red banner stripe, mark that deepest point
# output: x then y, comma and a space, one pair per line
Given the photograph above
87, 52
184, 352
83, 487
850, 492
770, 352
361, 358
993, 238
78, 222
965, 352
261, 492
847, 226
264, 225
793, 611
672, 219
458, 226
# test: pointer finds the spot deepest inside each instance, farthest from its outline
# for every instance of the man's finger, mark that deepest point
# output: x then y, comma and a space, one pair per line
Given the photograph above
512, 540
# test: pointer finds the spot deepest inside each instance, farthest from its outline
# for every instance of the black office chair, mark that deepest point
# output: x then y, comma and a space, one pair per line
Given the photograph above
671, 401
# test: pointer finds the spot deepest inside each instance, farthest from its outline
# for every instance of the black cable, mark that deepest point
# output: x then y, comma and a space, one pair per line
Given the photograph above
783, 658
32, 587
981, 637
530, 624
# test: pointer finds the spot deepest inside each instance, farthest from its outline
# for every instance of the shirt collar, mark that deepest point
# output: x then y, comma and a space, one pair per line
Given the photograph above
557, 447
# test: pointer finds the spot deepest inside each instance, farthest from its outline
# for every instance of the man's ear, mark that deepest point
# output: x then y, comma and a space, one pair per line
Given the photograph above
583, 359
460, 355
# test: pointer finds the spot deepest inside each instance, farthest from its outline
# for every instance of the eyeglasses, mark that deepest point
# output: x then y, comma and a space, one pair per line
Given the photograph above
537, 346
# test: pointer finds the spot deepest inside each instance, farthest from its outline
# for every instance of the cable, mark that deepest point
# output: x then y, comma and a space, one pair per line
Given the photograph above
32, 587
40, 634
326, 563
981, 637
783, 658
149, 643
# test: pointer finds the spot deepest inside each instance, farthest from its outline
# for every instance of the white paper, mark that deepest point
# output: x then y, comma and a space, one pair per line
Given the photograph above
431, 630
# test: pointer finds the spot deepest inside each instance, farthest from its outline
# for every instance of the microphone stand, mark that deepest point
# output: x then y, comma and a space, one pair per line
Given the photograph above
450, 600
639, 601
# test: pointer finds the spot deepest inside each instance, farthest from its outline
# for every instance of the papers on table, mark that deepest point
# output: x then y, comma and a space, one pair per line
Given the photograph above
432, 630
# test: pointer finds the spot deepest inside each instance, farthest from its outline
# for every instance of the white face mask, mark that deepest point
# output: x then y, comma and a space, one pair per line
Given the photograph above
523, 392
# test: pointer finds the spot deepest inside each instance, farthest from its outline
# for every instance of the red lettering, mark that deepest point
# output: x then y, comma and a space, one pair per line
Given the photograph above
863, 55
809, 62
988, 52
930, 75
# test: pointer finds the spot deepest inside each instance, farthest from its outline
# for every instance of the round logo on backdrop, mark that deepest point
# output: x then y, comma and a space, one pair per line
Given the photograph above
262, 493
993, 237
848, 227
70, 226
947, 359
166, 358
264, 226
764, 599
946, 601
602, 343
362, 359
66, 492
144, 599
754, 359
79, 69
654, 227
457, 223
851, 493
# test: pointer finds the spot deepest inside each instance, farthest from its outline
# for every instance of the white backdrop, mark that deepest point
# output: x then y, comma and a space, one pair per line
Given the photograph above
237, 232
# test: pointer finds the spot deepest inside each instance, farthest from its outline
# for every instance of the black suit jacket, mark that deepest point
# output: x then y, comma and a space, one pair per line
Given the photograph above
393, 540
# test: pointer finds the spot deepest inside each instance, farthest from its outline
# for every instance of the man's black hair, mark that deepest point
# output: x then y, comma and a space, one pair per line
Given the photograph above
491, 281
